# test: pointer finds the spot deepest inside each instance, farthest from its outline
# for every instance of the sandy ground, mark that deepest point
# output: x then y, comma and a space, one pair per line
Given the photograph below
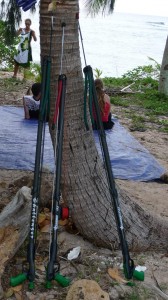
152, 196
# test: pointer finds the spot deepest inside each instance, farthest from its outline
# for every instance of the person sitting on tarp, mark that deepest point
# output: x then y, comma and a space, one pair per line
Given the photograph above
105, 106
32, 103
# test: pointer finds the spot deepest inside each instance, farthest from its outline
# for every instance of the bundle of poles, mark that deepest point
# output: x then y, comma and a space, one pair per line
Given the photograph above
53, 267
52, 270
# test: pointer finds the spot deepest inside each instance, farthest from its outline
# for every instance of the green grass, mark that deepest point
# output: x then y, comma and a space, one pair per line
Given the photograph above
120, 101
156, 103
145, 105
139, 294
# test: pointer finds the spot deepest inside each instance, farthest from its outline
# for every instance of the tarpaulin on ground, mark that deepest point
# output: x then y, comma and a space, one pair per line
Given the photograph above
129, 159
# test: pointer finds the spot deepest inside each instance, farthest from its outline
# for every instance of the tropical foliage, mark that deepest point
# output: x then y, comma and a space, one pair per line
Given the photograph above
11, 13
6, 52
95, 6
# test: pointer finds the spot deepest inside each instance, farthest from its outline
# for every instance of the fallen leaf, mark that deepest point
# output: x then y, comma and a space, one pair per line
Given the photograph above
17, 288
44, 223
46, 210
40, 267
9, 293
19, 296
48, 216
2, 234
3, 184
63, 222
115, 275
41, 218
46, 228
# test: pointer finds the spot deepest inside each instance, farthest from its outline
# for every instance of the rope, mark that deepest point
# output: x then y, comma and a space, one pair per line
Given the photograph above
88, 84
57, 103
80, 33
88, 89
61, 87
62, 48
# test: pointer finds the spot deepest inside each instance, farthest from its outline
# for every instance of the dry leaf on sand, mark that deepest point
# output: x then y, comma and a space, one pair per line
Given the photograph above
63, 222
41, 218
17, 288
115, 275
9, 293
19, 296
46, 228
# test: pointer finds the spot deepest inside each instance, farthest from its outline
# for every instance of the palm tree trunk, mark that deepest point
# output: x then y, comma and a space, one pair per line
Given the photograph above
163, 80
84, 184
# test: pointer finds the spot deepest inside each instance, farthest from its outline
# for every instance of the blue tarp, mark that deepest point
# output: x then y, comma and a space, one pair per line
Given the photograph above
18, 140
129, 159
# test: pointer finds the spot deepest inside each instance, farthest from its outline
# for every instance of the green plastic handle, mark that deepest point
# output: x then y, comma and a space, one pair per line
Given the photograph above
14, 281
31, 285
139, 275
48, 284
62, 280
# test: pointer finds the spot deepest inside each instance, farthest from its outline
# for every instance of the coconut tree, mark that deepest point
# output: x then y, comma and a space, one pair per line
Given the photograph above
163, 80
84, 185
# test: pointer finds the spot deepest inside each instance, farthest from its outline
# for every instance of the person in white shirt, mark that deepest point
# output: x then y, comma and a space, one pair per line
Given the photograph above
24, 53
31, 104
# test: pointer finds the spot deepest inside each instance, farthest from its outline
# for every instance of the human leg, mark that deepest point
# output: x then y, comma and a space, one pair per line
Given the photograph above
16, 68
26, 109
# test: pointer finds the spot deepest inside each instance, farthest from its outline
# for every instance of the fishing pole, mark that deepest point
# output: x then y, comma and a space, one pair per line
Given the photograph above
53, 267
128, 263
44, 107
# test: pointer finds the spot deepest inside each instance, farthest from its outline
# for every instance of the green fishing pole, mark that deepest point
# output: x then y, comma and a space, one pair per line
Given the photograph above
44, 108
128, 263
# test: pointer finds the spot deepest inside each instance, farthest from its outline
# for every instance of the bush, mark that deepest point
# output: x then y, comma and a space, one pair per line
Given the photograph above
6, 52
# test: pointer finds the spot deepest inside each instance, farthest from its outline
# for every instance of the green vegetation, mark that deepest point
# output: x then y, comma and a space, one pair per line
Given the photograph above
97, 73
139, 294
34, 72
6, 52
144, 104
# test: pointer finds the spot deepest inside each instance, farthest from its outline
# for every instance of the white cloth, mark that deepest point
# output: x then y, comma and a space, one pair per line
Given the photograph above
31, 103
22, 56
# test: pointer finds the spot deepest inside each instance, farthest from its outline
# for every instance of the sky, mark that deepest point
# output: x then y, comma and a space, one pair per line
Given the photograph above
145, 7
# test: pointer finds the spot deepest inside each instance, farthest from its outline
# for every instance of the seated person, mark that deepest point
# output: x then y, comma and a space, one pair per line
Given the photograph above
105, 106
32, 103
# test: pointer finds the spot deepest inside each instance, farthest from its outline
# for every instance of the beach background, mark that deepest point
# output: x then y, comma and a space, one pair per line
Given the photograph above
115, 43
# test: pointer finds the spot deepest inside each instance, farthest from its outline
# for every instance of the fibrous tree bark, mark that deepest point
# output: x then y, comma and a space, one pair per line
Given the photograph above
163, 80
84, 184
